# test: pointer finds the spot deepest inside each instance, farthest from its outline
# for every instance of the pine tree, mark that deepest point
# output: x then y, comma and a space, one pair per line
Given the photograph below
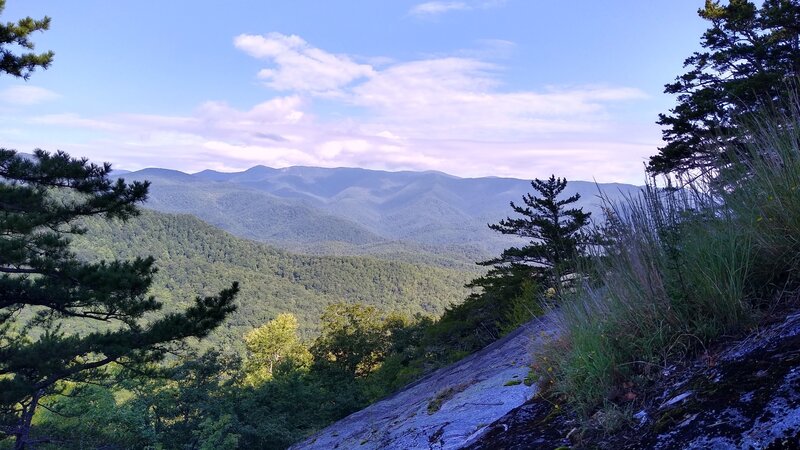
510, 293
17, 35
556, 239
47, 293
751, 57
63, 319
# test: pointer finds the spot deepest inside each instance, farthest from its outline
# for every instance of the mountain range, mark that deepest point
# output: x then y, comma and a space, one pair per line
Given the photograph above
301, 238
429, 217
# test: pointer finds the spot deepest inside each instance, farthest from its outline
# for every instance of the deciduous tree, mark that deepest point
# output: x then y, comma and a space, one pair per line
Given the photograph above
353, 340
273, 344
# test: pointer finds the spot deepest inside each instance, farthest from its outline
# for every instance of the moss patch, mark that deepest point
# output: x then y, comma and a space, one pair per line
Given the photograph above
443, 396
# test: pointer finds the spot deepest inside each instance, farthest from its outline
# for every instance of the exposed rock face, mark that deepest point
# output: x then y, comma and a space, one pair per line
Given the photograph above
447, 409
746, 397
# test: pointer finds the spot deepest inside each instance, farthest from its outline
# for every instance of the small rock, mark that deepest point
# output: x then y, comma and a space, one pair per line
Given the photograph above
641, 416
675, 400
687, 421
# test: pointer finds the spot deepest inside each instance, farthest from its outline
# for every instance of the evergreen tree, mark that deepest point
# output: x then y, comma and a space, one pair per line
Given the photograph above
555, 232
47, 293
62, 319
190, 406
751, 56
510, 293
17, 35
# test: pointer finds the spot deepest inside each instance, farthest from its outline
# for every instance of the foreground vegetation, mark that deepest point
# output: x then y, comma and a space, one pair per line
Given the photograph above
712, 249
279, 393
685, 267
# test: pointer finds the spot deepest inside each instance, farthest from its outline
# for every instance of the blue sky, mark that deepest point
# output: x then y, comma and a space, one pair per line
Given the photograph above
521, 88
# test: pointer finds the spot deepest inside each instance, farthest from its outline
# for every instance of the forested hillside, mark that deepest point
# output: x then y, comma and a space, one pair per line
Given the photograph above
428, 217
249, 213
194, 257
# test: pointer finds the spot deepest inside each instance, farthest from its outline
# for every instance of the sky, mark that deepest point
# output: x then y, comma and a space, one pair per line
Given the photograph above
514, 88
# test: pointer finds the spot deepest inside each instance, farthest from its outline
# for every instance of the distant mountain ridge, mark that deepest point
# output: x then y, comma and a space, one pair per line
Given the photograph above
356, 211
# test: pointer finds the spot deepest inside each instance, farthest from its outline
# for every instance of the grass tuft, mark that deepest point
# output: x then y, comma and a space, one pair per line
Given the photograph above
681, 268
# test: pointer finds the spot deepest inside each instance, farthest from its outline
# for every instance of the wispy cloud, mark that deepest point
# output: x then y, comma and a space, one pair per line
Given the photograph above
450, 97
489, 49
26, 95
436, 8
300, 67
75, 121
440, 96
452, 114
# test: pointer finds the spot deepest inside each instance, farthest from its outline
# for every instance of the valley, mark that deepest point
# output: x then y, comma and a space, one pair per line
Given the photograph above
195, 258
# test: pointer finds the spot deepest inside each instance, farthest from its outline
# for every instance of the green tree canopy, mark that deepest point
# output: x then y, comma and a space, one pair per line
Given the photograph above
751, 55
353, 341
272, 344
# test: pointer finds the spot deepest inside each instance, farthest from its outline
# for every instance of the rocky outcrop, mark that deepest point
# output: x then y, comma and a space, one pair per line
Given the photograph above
744, 395
449, 408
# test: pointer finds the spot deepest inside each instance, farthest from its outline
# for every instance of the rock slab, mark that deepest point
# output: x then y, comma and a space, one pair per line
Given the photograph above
451, 407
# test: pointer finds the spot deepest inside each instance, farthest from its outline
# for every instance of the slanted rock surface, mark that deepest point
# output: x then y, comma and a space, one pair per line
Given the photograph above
745, 396
741, 395
449, 408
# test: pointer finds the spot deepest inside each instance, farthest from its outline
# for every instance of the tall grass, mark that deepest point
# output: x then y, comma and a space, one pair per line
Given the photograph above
682, 268
770, 193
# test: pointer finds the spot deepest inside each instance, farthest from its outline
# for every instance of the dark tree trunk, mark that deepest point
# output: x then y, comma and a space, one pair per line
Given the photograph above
23, 432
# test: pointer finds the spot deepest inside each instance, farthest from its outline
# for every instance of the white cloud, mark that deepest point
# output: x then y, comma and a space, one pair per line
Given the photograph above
443, 96
26, 95
388, 135
300, 67
244, 155
330, 150
462, 97
76, 121
489, 49
451, 114
435, 8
